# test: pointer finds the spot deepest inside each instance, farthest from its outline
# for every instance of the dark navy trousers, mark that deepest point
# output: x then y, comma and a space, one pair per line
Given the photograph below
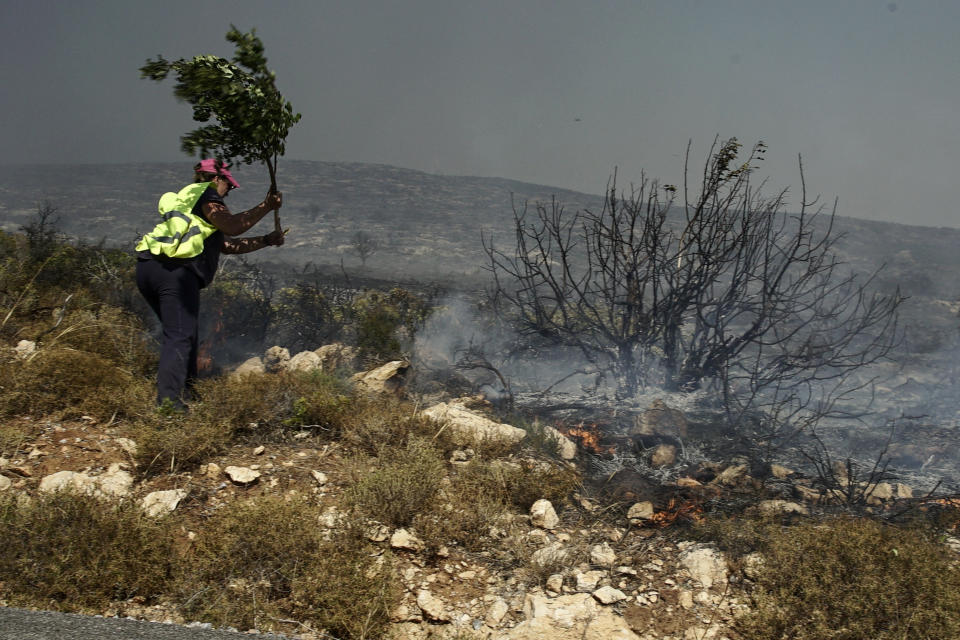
173, 292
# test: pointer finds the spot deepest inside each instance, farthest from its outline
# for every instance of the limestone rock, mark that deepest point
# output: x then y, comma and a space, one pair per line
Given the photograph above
304, 361
158, 503
572, 617
319, 476
403, 539
609, 595
276, 359
5, 483
497, 611
115, 482
705, 564
555, 583
731, 474
780, 472
641, 511
469, 427
567, 447
782, 506
242, 475
128, 445
388, 379
25, 349
663, 455
660, 420
337, 356
587, 581
603, 555
252, 365
543, 515
66, 480
552, 554
431, 606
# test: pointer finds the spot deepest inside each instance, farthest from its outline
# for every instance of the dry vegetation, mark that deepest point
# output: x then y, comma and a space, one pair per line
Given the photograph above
258, 560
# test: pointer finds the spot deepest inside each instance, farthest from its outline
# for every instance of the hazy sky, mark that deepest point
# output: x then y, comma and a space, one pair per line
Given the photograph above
558, 93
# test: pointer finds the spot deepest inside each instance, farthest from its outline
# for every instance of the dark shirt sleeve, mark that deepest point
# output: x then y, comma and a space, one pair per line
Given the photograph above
210, 195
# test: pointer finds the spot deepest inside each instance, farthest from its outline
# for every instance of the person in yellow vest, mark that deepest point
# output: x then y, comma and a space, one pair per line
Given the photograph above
180, 257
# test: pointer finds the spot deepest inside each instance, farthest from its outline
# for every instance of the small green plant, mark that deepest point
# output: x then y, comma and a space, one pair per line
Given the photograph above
69, 550
400, 487
259, 563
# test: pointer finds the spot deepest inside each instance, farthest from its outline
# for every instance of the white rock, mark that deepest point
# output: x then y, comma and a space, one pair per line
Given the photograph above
276, 359
252, 365
587, 581
67, 480
431, 606
495, 614
603, 555
567, 447
158, 503
573, 617
641, 511
115, 482
551, 554
388, 378
25, 349
403, 539
258, 451
706, 565
468, 427
304, 361
782, 506
241, 475
212, 470
609, 595
543, 515
555, 583
5, 483
128, 445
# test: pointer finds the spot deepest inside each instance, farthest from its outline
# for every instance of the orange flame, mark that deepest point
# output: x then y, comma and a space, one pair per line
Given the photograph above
588, 437
676, 510
205, 351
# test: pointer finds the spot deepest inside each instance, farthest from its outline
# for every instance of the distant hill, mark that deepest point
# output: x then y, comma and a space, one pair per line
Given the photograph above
427, 225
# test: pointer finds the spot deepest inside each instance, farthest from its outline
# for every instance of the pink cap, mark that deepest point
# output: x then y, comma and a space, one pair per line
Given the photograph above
211, 165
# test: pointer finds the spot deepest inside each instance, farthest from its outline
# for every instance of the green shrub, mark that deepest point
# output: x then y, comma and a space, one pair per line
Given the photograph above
403, 485
847, 579
67, 550
258, 562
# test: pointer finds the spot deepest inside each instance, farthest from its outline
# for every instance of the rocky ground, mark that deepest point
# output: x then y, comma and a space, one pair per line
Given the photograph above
618, 562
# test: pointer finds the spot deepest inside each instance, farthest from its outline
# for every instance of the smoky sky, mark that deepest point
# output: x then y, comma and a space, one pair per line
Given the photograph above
558, 92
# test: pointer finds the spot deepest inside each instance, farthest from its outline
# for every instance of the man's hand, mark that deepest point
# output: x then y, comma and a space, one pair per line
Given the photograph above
273, 200
274, 238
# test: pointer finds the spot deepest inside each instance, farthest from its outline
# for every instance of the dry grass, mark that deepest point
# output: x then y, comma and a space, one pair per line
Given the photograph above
846, 579
73, 551
259, 563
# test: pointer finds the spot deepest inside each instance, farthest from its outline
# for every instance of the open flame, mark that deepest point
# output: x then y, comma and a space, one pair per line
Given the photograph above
205, 350
677, 509
588, 437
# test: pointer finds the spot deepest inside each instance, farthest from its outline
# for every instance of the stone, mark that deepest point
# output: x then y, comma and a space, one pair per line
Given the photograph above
543, 515
252, 365
115, 482
258, 451
685, 599
25, 349
337, 356
555, 583
882, 491
242, 475
663, 455
388, 379
496, 612
128, 445
688, 482
903, 491
705, 565
641, 511
212, 470
431, 606
304, 361
780, 472
603, 555
159, 503
403, 539
587, 581
609, 595
5, 483
319, 476
660, 420
570, 617
468, 427
567, 447
67, 480
551, 554
731, 474
276, 359
782, 506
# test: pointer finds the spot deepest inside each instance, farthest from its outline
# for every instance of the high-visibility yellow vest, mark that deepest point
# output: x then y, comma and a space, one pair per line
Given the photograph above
181, 234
